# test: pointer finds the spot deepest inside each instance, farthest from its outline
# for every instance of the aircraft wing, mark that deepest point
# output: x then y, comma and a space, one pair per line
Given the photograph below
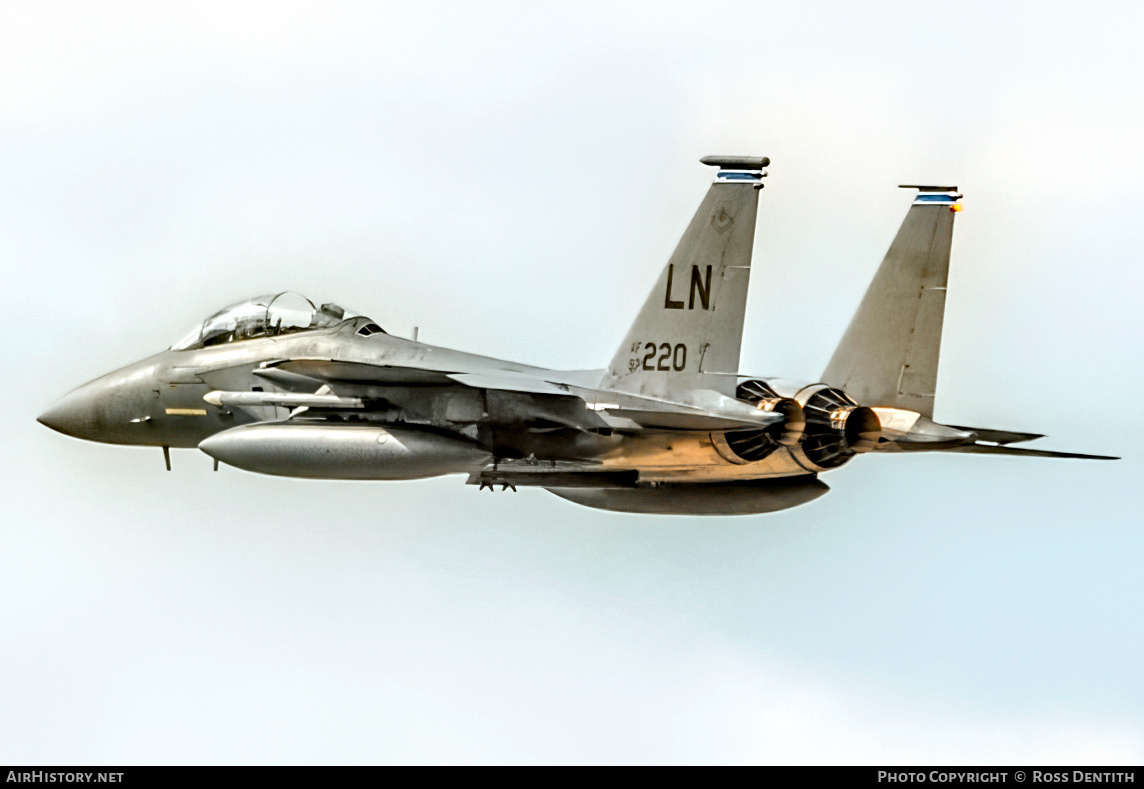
646, 412
351, 384
513, 383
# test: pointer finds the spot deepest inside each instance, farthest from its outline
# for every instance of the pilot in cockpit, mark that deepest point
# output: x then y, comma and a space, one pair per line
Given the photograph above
262, 316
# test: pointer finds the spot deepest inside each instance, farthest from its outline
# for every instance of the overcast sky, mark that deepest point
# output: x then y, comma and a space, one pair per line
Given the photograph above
511, 178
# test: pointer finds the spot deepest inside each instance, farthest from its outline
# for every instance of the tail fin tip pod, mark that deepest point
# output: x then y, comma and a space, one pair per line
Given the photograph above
736, 162
889, 353
691, 324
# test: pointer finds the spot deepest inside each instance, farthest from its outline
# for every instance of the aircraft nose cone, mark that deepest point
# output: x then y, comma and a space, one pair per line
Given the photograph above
113, 409
74, 415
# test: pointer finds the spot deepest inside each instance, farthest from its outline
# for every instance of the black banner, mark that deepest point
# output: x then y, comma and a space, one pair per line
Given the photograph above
875, 776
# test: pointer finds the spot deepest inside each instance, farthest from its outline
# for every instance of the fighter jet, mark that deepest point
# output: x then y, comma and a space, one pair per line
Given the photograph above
282, 385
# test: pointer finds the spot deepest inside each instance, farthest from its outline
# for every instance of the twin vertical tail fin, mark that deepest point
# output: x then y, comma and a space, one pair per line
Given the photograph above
692, 322
689, 333
889, 354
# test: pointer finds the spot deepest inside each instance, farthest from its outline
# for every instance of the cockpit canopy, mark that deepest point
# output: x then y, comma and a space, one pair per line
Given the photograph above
262, 316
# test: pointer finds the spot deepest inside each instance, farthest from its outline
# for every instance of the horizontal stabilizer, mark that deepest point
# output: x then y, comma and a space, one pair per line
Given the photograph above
994, 449
999, 436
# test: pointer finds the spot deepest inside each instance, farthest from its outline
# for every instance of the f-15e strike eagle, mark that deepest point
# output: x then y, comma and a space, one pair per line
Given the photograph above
278, 385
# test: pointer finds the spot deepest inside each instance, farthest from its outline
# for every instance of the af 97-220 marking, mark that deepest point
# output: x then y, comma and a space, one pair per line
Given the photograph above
677, 355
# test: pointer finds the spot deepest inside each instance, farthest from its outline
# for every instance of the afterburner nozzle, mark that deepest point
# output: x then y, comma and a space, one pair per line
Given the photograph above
795, 418
863, 430
859, 425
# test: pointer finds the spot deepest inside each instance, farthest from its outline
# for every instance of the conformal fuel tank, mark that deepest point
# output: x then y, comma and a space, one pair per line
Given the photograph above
343, 451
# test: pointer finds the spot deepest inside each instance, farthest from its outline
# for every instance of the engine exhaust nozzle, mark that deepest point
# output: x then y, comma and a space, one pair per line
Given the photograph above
860, 425
795, 419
